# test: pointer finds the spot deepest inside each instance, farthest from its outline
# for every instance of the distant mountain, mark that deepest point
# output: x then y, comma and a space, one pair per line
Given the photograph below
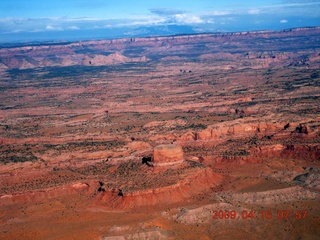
263, 46
163, 30
101, 33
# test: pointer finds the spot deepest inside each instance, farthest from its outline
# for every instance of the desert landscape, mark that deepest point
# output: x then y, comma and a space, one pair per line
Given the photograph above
182, 137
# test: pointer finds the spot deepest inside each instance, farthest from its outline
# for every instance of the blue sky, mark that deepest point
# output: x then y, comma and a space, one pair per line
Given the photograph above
66, 18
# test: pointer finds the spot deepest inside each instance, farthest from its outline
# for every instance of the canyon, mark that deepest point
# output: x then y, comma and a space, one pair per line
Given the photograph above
162, 137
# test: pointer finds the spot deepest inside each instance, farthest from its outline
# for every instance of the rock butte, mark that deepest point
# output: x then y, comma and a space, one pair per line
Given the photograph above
167, 154
241, 109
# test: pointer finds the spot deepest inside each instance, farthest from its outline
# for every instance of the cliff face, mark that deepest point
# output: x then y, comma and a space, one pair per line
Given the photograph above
264, 47
167, 154
196, 182
230, 119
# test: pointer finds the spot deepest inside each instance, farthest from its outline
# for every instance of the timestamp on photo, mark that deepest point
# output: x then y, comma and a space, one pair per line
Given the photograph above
263, 214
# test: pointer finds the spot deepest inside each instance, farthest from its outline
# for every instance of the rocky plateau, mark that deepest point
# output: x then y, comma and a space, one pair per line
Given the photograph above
162, 137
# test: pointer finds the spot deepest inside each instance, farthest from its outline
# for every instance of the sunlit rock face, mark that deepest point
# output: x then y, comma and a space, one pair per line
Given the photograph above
167, 154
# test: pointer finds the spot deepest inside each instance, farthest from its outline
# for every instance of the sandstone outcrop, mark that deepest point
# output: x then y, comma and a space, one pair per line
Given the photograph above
77, 119
83, 188
167, 154
138, 146
245, 128
201, 180
98, 60
306, 152
92, 52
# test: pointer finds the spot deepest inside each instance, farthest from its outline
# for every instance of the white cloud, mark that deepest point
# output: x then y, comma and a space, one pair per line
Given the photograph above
302, 9
166, 12
220, 13
184, 18
254, 11
17, 30
51, 28
13, 31
73, 28
80, 19
135, 21
283, 21
174, 16
146, 20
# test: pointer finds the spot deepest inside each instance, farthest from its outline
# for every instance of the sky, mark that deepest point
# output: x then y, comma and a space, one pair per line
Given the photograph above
36, 20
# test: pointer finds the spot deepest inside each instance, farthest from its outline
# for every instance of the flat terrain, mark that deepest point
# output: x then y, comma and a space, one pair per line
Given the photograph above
76, 119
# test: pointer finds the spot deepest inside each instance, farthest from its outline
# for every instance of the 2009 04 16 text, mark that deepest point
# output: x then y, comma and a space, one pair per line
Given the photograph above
267, 214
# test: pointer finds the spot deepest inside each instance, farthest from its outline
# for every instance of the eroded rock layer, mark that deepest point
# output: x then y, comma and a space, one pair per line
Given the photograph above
153, 137
167, 154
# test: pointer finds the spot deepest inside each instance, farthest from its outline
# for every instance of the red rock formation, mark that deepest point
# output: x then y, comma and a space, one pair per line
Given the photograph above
138, 146
98, 60
167, 154
305, 152
189, 136
66, 54
245, 128
49, 193
202, 180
